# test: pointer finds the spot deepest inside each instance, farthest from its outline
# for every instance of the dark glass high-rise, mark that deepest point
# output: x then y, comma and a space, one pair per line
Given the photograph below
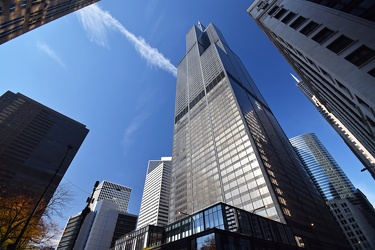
229, 147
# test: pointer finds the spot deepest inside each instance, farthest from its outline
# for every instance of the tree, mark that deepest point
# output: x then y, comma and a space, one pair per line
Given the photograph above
15, 210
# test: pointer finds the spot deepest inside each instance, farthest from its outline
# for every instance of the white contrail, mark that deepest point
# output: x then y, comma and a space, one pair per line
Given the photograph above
51, 53
97, 22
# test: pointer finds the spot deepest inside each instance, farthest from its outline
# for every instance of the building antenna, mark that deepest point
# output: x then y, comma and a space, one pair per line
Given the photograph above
295, 78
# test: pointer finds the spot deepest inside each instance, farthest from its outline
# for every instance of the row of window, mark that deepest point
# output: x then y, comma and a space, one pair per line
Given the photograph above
359, 57
200, 96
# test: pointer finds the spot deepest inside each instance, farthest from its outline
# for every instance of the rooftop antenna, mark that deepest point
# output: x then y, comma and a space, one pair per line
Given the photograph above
295, 78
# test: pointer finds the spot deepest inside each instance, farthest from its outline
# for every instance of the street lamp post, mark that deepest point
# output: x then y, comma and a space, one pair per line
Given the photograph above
13, 246
192, 221
259, 208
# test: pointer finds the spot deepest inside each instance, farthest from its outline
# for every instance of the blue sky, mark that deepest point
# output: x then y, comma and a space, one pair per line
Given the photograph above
112, 68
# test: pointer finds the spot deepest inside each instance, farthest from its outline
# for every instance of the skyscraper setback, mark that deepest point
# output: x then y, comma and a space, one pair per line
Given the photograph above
20, 16
330, 44
229, 147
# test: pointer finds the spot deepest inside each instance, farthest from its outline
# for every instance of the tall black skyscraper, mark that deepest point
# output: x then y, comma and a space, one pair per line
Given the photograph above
37, 146
229, 147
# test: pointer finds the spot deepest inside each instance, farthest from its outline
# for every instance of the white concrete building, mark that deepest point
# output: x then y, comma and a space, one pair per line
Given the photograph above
114, 192
331, 45
155, 198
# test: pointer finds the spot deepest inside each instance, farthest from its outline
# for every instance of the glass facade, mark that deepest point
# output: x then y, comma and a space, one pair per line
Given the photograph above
351, 209
228, 147
323, 169
219, 226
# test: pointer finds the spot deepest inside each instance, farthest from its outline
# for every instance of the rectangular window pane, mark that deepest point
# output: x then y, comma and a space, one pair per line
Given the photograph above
298, 22
309, 28
323, 35
273, 10
361, 55
340, 44
288, 17
280, 13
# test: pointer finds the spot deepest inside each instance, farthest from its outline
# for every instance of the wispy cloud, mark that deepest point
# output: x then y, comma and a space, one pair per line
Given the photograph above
51, 53
133, 127
143, 109
97, 23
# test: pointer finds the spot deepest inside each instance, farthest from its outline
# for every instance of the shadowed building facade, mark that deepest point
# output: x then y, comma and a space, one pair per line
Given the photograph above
228, 147
331, 45
37, 146
34, 141
20, 16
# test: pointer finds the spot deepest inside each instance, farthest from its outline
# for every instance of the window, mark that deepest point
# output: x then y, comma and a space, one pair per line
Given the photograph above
288, 17
12, 7
34, 2
24, 3
340, 44
372, 72
361, 55
323, 35
280, 13
298, 22
309, 28
273, 10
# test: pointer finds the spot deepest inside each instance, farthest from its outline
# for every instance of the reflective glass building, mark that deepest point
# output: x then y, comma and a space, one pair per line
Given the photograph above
353, 212
325, 172
228, 146
20, 16
219, 226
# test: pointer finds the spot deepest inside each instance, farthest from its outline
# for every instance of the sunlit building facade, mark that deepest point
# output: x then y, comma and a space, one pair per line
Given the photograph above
113, 192
102, 222
354, 144
331, 45
228, 147
352, 210
20, 16
219, 226
155, 199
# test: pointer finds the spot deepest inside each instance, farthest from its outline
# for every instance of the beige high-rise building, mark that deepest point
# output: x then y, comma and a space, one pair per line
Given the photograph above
20, 16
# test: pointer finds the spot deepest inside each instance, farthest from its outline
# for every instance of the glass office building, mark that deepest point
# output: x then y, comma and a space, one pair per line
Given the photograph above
219, 226
20, 16
330, 44
352, 210
228, 146
325, 172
